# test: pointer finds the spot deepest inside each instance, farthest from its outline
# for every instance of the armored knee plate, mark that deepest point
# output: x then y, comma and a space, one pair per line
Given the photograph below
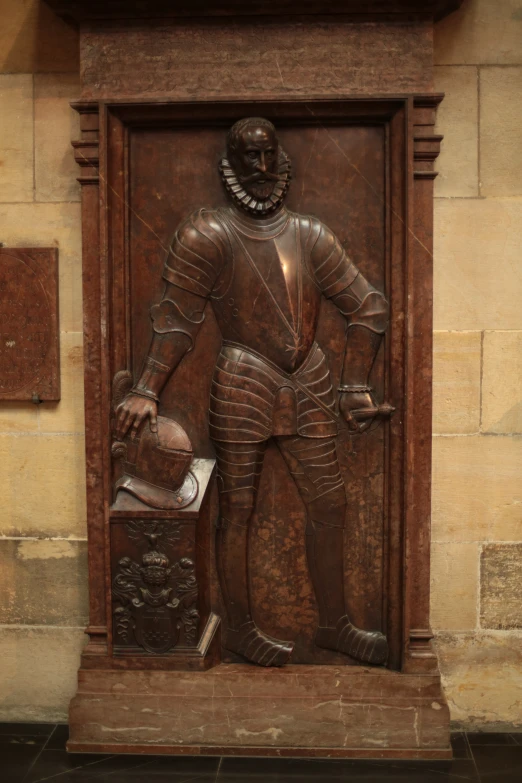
328, 510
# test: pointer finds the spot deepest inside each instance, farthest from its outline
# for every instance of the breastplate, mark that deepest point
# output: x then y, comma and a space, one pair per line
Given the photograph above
264, 298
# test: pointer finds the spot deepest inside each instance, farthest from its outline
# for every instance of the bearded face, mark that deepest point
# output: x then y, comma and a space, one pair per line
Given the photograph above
255, 161
256, 170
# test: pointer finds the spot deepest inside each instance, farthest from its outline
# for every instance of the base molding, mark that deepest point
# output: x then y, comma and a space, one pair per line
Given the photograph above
231, 709
261, 751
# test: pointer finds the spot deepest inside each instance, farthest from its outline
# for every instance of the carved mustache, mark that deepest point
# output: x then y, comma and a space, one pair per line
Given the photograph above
267, 175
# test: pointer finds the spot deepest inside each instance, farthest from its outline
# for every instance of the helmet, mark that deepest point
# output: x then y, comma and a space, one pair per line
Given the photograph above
156, 466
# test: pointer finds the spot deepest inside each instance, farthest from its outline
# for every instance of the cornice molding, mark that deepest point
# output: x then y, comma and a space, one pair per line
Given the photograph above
85, 10
86, 149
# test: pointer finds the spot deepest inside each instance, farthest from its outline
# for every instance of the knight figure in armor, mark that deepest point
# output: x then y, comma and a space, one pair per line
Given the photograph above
264, 269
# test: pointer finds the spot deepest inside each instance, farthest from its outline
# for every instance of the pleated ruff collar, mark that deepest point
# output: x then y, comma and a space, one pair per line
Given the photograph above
249, 204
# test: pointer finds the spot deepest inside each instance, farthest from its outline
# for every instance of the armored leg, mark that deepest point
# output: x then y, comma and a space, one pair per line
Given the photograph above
315, 469
239, 470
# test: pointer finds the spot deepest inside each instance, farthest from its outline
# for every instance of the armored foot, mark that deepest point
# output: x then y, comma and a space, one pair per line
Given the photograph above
258, 647
365, 646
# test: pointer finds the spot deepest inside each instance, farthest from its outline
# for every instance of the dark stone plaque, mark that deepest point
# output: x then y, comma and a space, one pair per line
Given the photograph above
29, 330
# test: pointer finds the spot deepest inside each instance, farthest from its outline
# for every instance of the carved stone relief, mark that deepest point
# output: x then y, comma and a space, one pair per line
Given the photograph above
155, 599
265, 270
208, 301
154, 458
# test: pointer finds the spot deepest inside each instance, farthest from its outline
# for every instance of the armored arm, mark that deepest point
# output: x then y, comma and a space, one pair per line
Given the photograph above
195, 259
176, 321
365, 309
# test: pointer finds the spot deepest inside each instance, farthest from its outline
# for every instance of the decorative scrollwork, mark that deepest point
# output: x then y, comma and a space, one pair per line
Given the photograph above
187, 591
154, 600
169, 531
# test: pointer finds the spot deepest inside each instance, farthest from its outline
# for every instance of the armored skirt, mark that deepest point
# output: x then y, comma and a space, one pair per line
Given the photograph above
251, 399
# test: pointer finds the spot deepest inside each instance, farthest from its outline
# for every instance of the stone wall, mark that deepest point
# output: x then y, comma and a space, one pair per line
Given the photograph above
477, 492
43, 573
477, 443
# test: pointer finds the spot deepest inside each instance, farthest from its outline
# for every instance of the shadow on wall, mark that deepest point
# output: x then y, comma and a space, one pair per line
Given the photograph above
34, 39
510, 422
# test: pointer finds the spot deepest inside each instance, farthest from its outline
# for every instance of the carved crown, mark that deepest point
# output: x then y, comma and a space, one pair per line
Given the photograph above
155, 559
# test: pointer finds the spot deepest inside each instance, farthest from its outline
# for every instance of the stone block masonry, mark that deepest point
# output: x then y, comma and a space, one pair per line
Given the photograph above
42, 516
477, 448
477, 486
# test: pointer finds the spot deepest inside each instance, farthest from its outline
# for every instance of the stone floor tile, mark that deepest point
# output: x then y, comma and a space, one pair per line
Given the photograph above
58, 738
122, 768
263, 770
460, 745
56, 763
27, 729
499, 764
16, 758
480, 738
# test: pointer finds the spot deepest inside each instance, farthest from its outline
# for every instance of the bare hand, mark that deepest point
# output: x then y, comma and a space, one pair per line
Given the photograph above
351, 402
132, 412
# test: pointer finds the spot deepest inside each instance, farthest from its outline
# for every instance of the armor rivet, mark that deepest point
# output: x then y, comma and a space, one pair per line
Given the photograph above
231, 301
235, 312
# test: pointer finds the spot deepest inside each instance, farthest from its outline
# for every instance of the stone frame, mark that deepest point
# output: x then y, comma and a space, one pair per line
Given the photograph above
408, 104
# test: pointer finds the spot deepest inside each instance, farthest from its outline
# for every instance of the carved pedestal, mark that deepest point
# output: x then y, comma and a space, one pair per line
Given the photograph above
323, 711
169, 665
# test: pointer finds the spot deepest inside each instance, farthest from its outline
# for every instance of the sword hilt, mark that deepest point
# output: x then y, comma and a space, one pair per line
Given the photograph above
383, 411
